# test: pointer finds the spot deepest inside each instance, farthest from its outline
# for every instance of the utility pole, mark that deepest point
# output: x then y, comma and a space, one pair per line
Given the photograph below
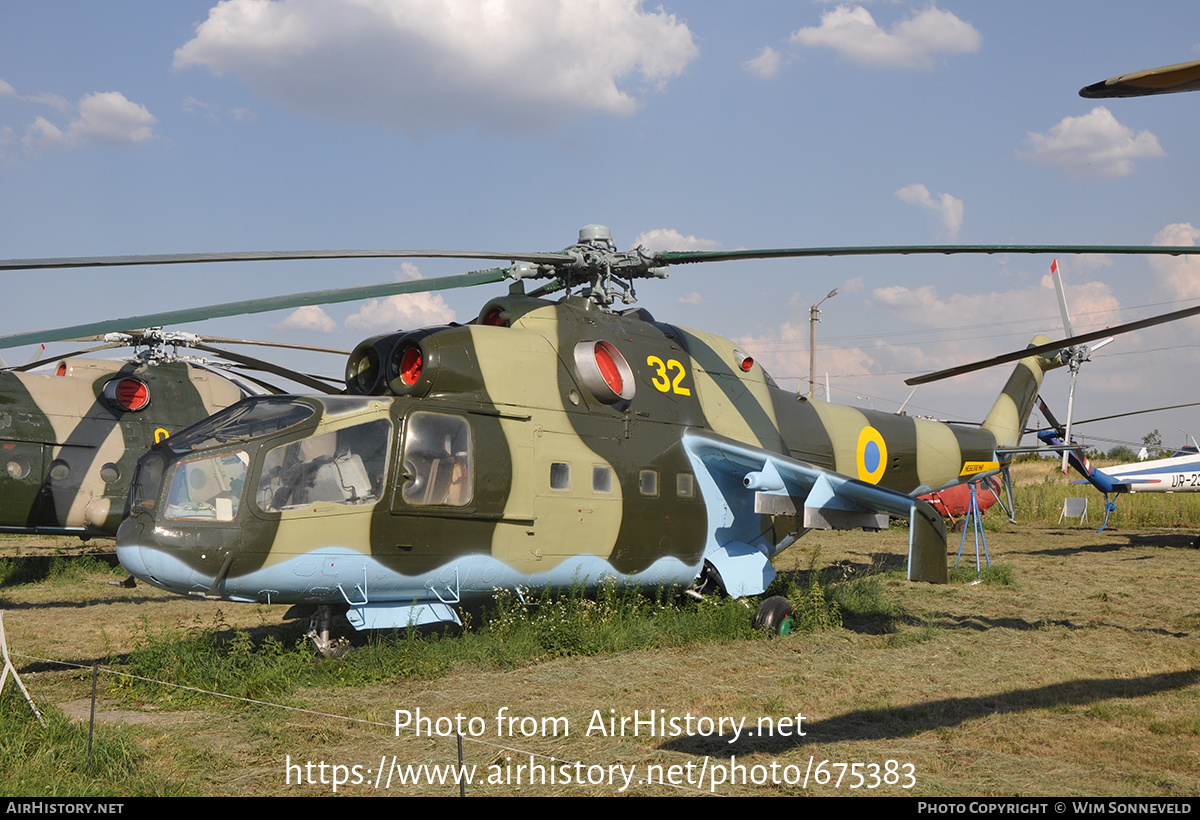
813, 314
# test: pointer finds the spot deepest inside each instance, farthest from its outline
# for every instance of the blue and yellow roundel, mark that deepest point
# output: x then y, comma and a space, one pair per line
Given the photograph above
871, 456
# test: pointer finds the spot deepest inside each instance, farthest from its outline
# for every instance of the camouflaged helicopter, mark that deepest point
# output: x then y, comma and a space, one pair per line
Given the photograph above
546, 443
70, 437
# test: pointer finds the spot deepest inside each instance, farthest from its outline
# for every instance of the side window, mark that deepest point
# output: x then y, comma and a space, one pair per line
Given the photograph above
342, 467
436, 462
684, 485
648, 482
560, 475
602, 478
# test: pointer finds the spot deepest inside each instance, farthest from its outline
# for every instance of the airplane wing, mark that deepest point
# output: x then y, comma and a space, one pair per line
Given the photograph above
1165, 80
741, 484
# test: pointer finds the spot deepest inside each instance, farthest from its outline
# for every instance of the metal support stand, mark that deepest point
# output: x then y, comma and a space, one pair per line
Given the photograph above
974, 517
8, 667
1109, 506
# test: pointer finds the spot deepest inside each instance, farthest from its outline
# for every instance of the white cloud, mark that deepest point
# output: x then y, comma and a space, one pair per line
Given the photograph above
668, 239
784, 354
110, 116
403, 312
213, 113
428, 64
692, 298
949, 209
911, 43
1179, 276
310, 319
766, 65
7, 90
1093, 146
106, 115
1092, 305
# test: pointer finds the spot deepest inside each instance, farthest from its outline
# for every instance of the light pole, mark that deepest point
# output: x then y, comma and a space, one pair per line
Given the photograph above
813, 314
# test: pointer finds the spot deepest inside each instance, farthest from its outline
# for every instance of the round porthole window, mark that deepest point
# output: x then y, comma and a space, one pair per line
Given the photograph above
17, 467
59, 470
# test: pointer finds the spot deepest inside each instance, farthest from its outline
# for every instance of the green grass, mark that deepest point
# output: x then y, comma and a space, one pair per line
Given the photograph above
54, 570
514, 632
54, 761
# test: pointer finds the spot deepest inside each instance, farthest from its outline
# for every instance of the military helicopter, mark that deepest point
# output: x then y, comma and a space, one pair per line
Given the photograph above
70, 437
546, 443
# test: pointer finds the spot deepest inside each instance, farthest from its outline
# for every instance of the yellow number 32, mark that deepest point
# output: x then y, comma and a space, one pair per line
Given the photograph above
662, 382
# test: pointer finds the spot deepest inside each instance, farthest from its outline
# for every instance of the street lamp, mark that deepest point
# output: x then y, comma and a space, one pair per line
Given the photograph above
813, 314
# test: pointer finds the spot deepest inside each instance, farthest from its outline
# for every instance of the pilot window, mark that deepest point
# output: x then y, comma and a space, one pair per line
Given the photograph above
341, 467
208, 488
437, 468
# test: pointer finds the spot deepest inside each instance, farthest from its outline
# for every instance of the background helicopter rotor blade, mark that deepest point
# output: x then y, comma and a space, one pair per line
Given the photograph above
268, 367
1050, 347
39, 362
319, 297
1120, 415
289, 346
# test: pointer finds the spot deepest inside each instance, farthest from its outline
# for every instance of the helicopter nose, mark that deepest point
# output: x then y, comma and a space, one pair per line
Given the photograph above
130, 551
130, 556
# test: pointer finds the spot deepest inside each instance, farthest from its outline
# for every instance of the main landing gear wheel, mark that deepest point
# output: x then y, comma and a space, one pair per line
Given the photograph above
774, 616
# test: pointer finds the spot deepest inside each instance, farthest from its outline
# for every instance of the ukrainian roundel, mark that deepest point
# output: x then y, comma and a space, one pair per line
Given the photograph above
871, 455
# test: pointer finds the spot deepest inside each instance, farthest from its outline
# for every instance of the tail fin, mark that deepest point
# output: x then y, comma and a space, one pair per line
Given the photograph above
1006, 420
1054, 439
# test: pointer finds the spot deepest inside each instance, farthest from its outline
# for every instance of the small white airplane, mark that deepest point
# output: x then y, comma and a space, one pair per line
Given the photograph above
1178, 474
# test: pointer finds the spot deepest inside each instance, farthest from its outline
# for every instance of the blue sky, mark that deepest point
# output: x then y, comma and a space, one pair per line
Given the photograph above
150, 127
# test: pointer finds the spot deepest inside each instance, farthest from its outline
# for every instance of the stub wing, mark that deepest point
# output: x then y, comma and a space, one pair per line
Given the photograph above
742, 485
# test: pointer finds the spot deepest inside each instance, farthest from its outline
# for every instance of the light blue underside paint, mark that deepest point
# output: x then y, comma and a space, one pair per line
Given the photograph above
380, 597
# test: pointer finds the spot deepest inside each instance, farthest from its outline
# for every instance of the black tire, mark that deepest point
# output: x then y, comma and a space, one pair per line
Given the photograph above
774, 616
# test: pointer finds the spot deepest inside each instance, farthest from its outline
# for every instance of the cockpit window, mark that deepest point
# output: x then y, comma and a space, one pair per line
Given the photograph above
342, 467
242, 421
208, 489
437, 460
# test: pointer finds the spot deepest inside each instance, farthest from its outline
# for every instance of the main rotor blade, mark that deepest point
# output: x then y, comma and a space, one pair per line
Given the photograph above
269, 256
318, 297
1167, 79
687, 257
1050, 347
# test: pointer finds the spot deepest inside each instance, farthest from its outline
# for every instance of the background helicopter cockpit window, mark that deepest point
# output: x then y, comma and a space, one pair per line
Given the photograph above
340, 467
437, 460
